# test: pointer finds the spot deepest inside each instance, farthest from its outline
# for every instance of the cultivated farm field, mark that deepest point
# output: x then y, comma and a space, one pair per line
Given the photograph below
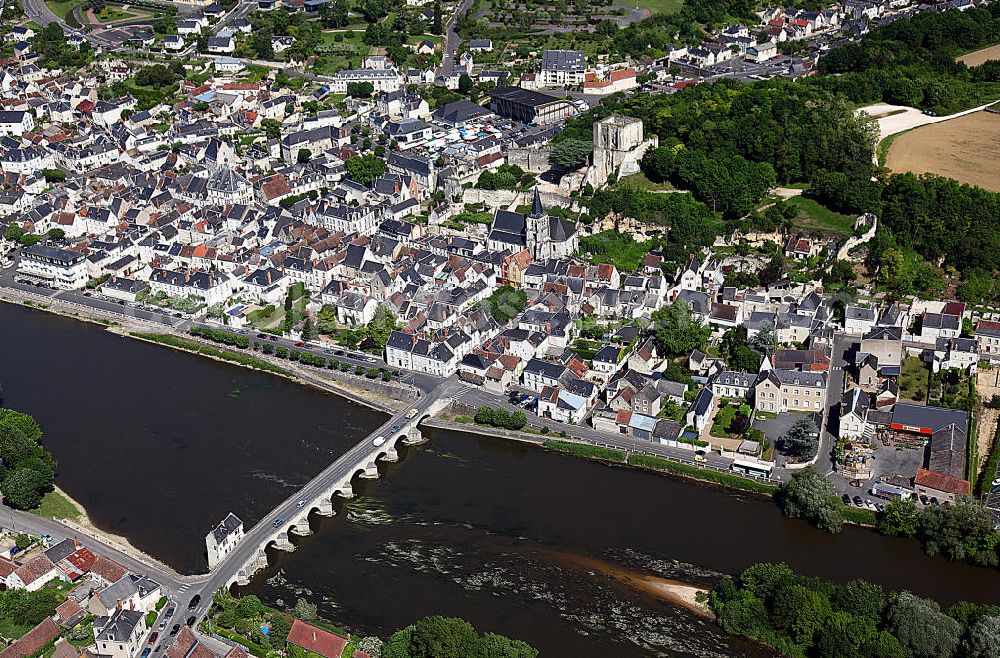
964, 149
980, 56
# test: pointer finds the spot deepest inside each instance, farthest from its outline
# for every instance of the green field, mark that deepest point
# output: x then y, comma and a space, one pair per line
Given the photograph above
54, 505
814, 216
639, 181
658, 6
63, 8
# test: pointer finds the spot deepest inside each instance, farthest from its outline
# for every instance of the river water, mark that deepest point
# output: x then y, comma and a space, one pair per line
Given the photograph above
158, 445
555, 550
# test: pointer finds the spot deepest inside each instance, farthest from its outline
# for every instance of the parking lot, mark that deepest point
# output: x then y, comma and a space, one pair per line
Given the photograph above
775, 428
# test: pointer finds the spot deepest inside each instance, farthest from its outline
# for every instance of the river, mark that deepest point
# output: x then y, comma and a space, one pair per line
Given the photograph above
563, 553
158, 445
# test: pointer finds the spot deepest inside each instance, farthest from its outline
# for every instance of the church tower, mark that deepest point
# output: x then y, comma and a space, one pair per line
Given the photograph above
536, 228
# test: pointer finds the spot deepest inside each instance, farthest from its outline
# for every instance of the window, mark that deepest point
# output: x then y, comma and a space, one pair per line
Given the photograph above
796, 402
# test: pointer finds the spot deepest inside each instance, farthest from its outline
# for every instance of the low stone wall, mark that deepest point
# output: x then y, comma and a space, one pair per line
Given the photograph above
533, 160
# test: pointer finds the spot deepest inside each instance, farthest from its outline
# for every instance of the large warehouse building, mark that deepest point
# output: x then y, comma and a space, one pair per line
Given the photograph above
530, 106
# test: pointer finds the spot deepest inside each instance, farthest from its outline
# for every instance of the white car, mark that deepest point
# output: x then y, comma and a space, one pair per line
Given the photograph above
378, 440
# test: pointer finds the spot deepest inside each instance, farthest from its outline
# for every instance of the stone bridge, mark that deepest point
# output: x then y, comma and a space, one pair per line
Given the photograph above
291, 517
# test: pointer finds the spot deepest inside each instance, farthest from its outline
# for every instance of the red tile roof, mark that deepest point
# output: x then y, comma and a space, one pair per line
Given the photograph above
107, 569
35, 569
317, 640
941, 482
33, 640
67, 609
6, 568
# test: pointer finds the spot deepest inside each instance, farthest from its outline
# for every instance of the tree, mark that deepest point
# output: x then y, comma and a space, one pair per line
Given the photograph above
799, 612
465, 84
801, 440
56, 233
841, 273
983, 639
22, 488
899, 518
571, 153
360, 89
882, 645
364, 169
250, 607
335, 14
326, 319
443, 637
810, 496
309, 329
13, 233
437, 24
677, 330
381, 326
272, 127
374, 10
963, 531
840, 636
860, 598
304, 610
303, 156
54, 175
505, 303
922, 629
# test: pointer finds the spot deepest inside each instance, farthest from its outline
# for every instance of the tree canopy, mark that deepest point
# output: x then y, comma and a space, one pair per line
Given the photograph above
810, 496
451, 637
27, 469
677, 330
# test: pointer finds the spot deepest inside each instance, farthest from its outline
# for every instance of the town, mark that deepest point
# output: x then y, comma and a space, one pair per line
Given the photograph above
377, 195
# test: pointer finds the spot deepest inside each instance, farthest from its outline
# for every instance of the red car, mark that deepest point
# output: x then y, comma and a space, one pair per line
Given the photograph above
300, 344
152, 638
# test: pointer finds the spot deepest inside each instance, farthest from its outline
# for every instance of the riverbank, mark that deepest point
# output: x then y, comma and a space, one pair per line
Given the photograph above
80, 521
138, 329
612, 456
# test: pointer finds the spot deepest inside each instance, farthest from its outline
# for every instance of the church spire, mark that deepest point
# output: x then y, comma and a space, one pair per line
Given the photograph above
536, 205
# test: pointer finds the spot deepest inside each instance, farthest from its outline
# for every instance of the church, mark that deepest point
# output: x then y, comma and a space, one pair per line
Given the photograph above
543, 236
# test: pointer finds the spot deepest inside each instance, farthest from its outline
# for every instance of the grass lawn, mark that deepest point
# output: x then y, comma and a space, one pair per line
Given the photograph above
812, 215
11, 630
913, 379
640, 181
619, 249
62, 8
720, 427
658, 6
57, 506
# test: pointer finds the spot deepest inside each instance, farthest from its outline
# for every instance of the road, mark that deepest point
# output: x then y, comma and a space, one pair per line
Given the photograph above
452, 40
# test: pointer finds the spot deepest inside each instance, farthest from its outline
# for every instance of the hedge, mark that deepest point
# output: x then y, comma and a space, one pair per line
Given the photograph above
208, 350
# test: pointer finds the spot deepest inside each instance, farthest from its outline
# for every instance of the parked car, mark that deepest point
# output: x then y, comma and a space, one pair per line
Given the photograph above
858, 502
170, 612
847, 499
152, 638
146, 652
